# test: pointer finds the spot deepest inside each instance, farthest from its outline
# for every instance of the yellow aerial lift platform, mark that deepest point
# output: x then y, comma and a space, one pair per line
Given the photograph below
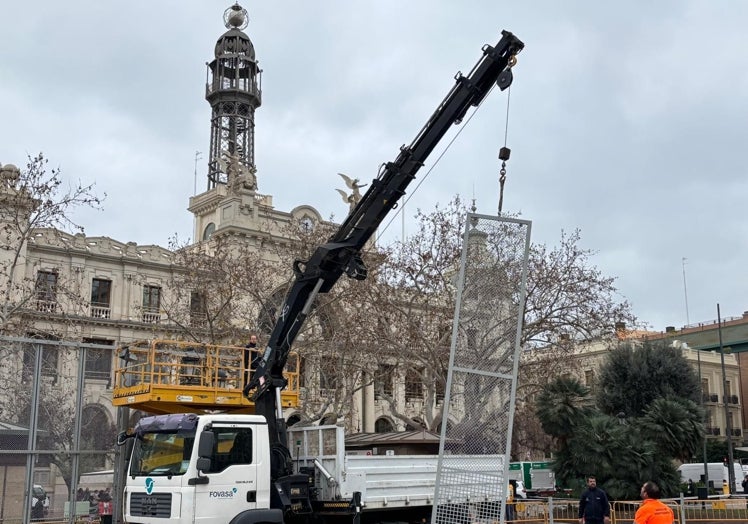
168, 376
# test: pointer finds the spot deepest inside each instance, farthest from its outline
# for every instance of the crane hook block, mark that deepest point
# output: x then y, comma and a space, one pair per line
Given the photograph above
504, 153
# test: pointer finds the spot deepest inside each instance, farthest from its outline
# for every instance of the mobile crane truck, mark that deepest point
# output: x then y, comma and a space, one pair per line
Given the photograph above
229, 468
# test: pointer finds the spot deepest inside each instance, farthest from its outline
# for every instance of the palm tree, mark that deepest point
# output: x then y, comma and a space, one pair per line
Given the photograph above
561, 405
675, 425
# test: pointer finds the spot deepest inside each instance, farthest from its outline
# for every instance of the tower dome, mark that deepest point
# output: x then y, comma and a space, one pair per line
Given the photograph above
235, 42
234, 91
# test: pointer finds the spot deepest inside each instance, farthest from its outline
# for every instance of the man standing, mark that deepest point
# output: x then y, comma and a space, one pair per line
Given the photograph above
594, 507
250, 355
510, 514
652, 510
37, 508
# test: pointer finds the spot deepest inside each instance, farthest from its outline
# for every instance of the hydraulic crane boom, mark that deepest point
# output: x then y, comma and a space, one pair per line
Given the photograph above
342, 252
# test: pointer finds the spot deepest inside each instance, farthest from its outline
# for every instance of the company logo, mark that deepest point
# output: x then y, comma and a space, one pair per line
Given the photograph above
149, 482
228, 494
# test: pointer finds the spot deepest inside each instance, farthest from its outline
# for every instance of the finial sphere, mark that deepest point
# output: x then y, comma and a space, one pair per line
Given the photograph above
235, 17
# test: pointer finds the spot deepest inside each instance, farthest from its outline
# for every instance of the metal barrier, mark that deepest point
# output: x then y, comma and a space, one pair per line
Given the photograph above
714, 510
685, 511
623, 511
689, 510
530, 511
563, 510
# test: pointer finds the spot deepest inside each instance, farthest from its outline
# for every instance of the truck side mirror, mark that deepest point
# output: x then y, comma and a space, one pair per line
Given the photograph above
206, 444
205, 450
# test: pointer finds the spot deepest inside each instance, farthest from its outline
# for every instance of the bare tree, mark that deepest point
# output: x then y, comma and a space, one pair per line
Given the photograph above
567, 298
396, 326
227, 287
34, 201
336, 356
411, 309
216, 289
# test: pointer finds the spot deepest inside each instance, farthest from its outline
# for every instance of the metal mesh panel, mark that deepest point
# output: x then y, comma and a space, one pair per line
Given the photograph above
57, 429
475, 443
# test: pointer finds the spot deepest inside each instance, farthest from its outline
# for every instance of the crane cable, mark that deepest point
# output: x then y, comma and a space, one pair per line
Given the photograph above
504, 152
462, 126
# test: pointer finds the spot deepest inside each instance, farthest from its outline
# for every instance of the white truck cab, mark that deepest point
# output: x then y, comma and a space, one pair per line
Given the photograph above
170, 479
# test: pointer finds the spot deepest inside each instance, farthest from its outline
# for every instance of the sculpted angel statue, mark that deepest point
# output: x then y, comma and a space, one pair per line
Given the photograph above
353, 184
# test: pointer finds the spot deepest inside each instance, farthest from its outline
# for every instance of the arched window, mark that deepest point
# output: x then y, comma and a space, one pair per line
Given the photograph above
383, 425
293, 419
209, 230
97, 434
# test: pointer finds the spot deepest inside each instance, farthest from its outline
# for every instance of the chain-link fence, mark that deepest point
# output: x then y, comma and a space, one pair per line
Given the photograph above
57, 431
473, 465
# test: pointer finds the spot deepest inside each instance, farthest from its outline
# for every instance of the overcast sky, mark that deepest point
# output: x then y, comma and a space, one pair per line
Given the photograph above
626, 120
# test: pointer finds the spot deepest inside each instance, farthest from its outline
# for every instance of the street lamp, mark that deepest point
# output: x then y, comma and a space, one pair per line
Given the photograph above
684, 345
728, 423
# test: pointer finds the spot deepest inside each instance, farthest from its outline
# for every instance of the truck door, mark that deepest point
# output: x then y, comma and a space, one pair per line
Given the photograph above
232, 478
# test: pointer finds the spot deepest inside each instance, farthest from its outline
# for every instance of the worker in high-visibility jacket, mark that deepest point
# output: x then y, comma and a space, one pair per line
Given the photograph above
652, 510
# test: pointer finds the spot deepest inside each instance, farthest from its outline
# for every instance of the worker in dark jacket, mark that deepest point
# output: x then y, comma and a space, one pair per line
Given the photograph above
251, 354
594, 507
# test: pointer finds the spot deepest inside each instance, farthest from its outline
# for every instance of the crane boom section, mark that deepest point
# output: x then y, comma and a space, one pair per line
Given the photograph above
342, 252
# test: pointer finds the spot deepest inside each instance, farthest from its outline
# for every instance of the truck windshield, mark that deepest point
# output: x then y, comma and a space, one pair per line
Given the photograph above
162, 453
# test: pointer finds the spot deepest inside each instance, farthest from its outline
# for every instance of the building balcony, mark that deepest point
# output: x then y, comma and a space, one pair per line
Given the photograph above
100, 310
151, 316
46, 306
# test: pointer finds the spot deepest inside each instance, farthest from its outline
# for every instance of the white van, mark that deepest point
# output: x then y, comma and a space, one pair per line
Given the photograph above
717, 474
